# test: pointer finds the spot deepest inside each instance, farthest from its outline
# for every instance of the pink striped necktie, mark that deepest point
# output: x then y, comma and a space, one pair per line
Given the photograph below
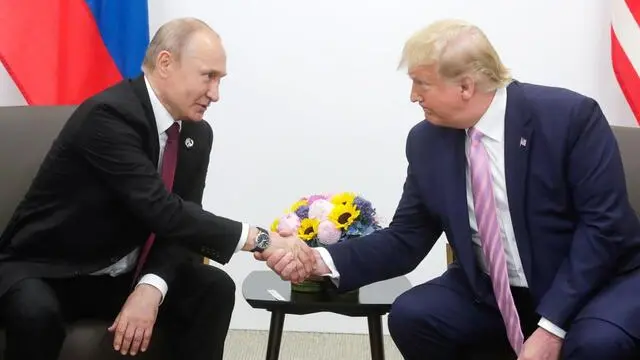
489, 231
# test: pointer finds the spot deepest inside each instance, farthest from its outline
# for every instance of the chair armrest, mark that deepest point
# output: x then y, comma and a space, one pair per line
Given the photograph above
450, 254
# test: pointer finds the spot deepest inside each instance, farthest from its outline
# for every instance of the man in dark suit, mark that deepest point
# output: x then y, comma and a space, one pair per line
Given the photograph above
125, 175
527, 184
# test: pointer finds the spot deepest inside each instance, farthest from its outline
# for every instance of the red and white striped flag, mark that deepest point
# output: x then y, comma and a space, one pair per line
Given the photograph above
625, 50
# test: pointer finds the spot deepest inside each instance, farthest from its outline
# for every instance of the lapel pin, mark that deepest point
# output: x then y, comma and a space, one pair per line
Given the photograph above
188, 142
523, 142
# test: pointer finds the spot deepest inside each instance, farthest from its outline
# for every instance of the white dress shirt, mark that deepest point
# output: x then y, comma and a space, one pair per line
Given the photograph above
491, 124
127, 263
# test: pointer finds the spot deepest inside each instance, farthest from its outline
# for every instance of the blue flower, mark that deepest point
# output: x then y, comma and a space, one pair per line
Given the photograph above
367, 212
303, 212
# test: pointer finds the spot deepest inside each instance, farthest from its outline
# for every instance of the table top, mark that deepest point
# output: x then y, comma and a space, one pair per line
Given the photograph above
261, 289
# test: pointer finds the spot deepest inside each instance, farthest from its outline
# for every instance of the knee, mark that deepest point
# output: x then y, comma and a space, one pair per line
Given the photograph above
225, 286
31, 306
403, 318
220, 286
597, 339
38, 316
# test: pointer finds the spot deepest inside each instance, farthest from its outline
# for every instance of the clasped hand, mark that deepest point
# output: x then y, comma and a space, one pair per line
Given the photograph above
289, 257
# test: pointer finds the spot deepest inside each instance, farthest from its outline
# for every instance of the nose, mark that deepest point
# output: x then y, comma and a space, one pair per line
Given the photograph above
213, 91
414, 95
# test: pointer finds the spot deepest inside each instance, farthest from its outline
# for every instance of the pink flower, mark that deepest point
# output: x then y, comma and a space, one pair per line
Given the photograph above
313, 198
320, 209
288, 224
328, 233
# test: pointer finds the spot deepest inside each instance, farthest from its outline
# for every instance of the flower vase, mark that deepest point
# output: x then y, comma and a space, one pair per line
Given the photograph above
310, 285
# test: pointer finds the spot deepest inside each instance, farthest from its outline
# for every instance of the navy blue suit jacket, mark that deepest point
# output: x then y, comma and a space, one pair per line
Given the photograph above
573, 223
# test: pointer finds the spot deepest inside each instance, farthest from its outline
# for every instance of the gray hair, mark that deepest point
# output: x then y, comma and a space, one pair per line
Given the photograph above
173, 37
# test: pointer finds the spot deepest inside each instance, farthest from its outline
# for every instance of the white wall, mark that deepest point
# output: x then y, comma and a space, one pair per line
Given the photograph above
313, 90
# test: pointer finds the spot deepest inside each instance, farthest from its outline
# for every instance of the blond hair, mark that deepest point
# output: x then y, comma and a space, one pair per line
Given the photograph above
458, 49
173, 37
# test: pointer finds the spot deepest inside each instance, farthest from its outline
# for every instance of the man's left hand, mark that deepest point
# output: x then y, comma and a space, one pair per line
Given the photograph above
134, 325
541, 345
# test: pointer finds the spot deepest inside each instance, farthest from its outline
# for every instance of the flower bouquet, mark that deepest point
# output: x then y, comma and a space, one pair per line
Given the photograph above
321, 220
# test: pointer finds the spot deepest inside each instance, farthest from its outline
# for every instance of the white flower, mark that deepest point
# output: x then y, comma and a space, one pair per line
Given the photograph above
320, 209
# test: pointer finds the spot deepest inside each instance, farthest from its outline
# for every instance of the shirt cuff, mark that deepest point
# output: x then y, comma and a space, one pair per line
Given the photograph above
333, 272
552, 328
243, 237
157, 282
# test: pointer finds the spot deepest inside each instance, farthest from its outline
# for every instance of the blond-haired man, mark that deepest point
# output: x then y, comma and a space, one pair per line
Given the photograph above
131, 162
527, 184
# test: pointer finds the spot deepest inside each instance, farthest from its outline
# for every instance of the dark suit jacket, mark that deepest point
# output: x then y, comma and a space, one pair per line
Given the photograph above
574, 226
98, 195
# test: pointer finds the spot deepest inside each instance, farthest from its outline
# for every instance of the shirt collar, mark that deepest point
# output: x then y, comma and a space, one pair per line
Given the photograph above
163, 118
491, 124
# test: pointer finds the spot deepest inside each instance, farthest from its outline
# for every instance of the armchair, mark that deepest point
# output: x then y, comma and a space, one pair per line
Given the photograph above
26, 133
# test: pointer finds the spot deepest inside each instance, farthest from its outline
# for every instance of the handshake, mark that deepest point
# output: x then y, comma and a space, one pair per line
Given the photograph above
321, 219
292, 258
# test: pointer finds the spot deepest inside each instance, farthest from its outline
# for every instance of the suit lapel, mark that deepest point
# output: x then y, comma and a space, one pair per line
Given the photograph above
190, 142
189, 152
458, 202
518, 140
153, 140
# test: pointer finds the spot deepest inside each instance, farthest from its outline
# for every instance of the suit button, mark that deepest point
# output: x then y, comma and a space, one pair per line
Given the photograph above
114, 260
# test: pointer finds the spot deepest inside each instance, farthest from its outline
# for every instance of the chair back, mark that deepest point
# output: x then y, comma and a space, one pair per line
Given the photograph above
26, 134
628, 139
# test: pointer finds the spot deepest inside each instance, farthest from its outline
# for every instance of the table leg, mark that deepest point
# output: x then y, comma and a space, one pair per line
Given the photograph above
375, 337
275, 335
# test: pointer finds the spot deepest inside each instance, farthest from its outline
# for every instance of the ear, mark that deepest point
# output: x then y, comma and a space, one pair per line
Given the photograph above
467, 87
164, 62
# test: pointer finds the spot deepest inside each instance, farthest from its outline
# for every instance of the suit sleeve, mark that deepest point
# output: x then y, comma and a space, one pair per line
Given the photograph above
166, 256
113, 151
393, 251
597, 186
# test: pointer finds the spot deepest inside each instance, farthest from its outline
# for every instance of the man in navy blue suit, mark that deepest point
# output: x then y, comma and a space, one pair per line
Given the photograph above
527, 183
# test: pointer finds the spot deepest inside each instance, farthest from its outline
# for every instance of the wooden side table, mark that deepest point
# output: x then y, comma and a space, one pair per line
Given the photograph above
261, 290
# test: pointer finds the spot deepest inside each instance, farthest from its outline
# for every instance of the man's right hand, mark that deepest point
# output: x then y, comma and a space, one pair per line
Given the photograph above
283, 263
301, 259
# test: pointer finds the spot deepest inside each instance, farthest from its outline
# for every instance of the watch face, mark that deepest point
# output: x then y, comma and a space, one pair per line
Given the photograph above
262, 241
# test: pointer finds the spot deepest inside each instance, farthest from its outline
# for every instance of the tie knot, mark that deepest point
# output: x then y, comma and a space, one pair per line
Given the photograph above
173, 132
475, 134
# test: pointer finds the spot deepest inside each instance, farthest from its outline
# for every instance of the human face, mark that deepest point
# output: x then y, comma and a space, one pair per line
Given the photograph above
192, 82
442, 101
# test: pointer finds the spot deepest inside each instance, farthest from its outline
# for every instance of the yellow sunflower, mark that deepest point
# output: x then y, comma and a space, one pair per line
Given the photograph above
345, 198
274, 225
297, 204
344, 215
308, 229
